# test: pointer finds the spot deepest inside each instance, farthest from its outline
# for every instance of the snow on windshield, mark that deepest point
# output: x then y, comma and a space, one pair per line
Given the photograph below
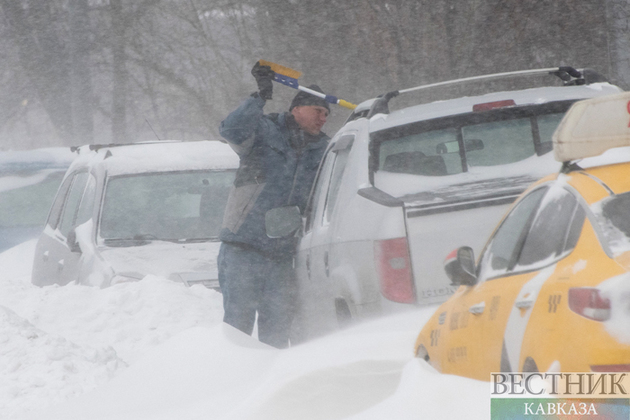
398, 185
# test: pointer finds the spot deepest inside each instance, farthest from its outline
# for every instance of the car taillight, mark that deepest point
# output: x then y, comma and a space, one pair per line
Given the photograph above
394, 269
493, 105
587, 302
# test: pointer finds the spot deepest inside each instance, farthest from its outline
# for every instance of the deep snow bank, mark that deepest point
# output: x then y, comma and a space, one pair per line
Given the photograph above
59, 342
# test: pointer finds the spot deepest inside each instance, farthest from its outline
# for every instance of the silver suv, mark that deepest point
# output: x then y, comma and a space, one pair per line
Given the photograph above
397, 191
126, 211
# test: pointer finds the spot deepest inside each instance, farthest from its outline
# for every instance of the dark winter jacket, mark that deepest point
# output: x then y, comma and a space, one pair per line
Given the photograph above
278, 164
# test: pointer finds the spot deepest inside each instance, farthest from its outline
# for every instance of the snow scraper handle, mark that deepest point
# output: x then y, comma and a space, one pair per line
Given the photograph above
288, 77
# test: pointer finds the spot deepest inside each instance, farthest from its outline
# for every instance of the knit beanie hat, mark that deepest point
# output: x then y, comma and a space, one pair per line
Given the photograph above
305, 99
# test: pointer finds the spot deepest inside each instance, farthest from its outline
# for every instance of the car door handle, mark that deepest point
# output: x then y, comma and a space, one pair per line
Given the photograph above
524, 303
477, 309
45, 255
60, 264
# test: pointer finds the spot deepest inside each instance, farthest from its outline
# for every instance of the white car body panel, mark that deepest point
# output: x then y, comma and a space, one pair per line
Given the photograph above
99, 264
465, 104
335, 261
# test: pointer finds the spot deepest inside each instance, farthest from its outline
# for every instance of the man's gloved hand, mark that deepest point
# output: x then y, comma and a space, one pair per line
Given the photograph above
264, 76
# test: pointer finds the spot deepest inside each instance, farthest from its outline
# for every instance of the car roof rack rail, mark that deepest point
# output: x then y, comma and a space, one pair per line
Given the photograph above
97, 147
569, 76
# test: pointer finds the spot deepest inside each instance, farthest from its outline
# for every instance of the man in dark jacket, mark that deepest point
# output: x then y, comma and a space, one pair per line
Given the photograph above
279, 156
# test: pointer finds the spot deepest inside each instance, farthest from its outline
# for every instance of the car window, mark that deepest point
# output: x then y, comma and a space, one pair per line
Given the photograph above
613, 217
547, 124
339, 165
452, 144
71, 205
432, 153
547, 236
87, 202
319, 188
166, 205
503, 142
57, 206
575, 230
500, 255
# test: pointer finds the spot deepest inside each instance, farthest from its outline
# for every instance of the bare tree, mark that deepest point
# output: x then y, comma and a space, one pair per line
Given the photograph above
81, 92
128, 70
39, 33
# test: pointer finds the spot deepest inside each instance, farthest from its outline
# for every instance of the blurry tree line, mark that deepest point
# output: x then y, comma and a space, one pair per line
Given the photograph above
100, 71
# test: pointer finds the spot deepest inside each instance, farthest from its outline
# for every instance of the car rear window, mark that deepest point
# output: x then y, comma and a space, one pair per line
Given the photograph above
456, 144
452, 150
173, 206
613, 217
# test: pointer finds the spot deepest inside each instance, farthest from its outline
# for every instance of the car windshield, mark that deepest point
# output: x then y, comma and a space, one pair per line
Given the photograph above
455, 145
171, 206
613, 217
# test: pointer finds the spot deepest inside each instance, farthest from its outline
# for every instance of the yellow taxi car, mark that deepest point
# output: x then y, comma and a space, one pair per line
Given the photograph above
551, 289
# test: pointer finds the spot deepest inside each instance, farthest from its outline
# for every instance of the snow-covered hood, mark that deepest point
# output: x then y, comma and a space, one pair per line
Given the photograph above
189, 263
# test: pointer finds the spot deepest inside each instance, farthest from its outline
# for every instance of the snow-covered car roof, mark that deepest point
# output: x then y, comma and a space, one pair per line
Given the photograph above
464, 105
157, 157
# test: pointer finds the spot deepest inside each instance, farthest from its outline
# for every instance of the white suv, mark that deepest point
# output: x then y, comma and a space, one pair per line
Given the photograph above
126, 211
397, 191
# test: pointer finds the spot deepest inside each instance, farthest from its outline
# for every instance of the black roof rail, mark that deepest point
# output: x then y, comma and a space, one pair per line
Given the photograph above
569, 76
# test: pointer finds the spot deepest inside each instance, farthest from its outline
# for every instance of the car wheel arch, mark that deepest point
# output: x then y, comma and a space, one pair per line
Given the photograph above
346, 284
423, 353
530, 366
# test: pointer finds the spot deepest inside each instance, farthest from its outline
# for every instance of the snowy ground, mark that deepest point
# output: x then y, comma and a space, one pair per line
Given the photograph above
157, 350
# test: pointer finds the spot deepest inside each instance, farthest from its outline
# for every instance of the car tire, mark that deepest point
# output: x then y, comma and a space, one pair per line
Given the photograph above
530, 366
422, 353
344, 316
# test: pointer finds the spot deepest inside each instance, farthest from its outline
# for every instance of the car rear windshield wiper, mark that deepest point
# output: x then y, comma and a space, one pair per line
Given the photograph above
140, 240
193, 240
137, 240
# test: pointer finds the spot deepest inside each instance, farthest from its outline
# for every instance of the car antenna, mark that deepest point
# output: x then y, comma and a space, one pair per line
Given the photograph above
151, 127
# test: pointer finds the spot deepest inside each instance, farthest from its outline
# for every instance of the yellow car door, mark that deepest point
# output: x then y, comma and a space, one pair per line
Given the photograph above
552, 232
583, 263
476, 319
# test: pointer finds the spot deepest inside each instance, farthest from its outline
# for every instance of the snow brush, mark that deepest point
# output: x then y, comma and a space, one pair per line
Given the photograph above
288, 77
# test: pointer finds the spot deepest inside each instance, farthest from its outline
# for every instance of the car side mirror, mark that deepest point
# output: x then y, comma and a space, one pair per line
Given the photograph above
282, 222
72, 242
460, 267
